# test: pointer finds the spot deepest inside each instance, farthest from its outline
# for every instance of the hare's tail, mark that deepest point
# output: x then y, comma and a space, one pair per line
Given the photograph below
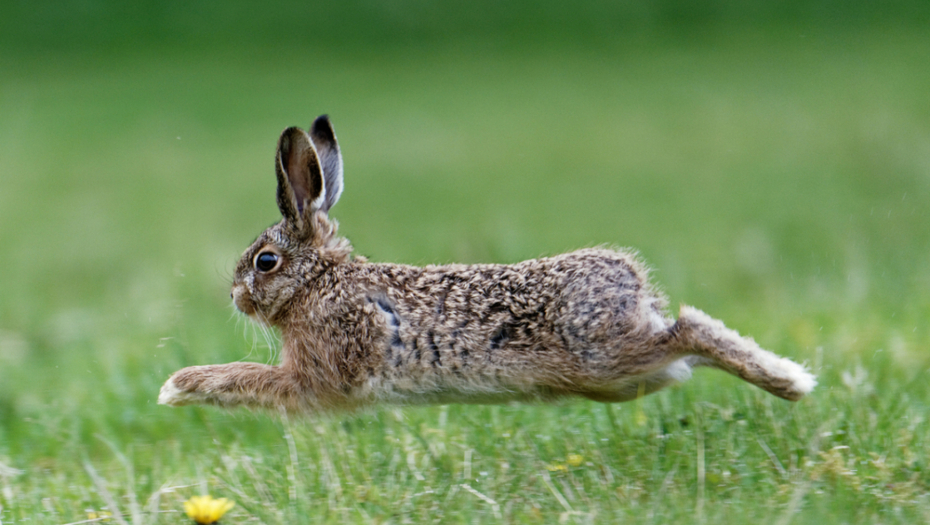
720, 347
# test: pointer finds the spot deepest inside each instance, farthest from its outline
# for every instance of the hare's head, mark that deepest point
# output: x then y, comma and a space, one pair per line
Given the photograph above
295, 250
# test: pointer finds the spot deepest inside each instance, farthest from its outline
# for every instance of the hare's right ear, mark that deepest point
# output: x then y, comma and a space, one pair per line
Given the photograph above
301, 187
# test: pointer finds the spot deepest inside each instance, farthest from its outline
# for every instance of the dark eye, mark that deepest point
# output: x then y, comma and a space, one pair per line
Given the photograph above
266, 261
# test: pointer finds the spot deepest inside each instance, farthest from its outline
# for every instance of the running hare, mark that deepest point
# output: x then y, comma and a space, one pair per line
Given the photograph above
357, 333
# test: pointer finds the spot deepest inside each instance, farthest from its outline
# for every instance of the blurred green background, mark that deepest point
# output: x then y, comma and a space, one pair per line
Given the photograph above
771, 161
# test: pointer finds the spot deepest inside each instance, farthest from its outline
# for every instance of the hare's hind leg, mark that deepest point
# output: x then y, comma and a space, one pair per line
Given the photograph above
720, 347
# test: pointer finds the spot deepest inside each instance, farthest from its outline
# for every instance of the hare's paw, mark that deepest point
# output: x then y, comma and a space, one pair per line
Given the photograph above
183, 388
799, 381
171, 395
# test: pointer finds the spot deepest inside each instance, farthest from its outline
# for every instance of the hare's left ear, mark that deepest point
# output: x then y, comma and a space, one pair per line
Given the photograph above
324, 138
301, 188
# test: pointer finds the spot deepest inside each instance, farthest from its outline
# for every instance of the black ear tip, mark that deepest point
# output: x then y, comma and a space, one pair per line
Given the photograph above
322, 127
284, 143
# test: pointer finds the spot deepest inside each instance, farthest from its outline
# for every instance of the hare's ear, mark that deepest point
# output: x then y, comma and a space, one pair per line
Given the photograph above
301, 188
324, 138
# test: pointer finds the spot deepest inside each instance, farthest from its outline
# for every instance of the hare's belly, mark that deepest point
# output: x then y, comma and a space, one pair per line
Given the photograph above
484, 390
443, 390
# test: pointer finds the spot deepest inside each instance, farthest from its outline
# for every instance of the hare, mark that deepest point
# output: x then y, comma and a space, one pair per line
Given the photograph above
356, 333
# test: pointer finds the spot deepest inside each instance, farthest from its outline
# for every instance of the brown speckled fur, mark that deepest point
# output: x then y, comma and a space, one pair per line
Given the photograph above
357, 333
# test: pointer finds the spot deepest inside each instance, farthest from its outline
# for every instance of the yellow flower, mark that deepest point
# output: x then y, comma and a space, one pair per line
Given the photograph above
574, 460
557, 467
206, 510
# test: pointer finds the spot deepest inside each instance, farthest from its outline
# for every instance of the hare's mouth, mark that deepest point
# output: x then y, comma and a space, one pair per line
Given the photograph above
243, 300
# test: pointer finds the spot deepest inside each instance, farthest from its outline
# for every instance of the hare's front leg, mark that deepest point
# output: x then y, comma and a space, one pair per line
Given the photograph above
250, 384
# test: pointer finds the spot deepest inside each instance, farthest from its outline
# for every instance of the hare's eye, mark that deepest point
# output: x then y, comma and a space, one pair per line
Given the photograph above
266, 261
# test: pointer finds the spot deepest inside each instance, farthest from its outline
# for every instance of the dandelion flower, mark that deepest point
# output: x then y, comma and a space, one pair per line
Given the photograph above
205, 510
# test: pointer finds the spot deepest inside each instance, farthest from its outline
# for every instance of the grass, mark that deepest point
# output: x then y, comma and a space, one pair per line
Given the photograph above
776, 179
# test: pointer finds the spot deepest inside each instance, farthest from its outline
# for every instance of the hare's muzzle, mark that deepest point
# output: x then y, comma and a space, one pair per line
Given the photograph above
243, 299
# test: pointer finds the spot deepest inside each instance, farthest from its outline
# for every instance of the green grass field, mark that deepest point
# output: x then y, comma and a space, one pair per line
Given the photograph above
776, 177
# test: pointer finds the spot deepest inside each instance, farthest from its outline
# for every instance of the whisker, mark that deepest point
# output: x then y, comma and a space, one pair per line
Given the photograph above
269, 336
235, 314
